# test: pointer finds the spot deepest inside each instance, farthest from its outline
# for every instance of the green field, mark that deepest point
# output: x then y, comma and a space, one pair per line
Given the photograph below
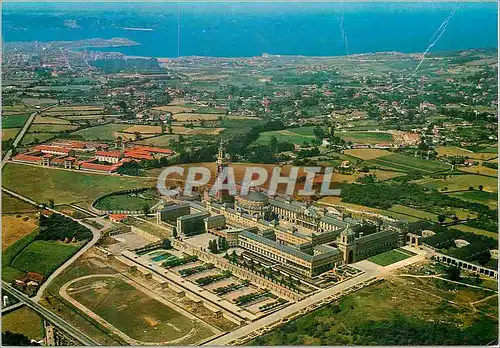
14, 121
64, 187
477, 231
11, 205
43, 256
388, 258
366, 137
405, 163
286, 135
103, 132
160, 141
135, 313
420, 214
25, 321
402, 311
461, 182
51, 128
489, 198
35, 138
125, 202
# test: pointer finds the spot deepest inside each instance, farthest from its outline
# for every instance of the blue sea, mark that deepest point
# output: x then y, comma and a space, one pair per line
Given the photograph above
251, 29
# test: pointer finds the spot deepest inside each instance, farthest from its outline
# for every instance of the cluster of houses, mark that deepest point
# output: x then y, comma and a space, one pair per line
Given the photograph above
89, 156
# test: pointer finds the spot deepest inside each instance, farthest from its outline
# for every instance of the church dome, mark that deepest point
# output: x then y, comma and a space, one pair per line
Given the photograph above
256, 197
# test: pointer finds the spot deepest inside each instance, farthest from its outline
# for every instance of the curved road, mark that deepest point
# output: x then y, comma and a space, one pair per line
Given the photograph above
96, 234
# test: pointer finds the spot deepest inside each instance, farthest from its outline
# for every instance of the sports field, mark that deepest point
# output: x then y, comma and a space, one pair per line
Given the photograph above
389, 257
135, 313
126, 202
43, 256
64, 186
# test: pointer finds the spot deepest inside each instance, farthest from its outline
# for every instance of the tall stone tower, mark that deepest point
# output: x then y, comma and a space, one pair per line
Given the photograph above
347, 245
222, 195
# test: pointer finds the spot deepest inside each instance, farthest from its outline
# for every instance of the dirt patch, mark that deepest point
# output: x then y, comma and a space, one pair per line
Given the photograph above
16, 226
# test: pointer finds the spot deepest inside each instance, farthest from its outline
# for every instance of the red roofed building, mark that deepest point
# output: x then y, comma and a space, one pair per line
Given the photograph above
154, 150
25, 158
117, 217
109, 156
138, 155
54, 150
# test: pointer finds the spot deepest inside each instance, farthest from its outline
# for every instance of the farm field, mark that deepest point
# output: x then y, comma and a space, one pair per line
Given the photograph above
14, 121
15, 227
479, 169
477, 231
160, 141
424, 215
175, 109
367, 154
366, 137
408, 164
11, 205
388, 258
488, 198
40, 119
51, 128
15, 109
460, 182
43, 256
76, 108
284, 136
25, 321
39, 101
142, 129
187, 117
10, 133
65, 186
35, 138
135, 313
196, 130
457, 151
103, 132
359, 317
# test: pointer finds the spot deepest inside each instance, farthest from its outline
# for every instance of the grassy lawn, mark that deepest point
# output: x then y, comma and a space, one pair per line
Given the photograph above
124, 202
402, 311
461, 182
366, 137
24, 321
103, 132
42, 184
424, 215
133, 312
388, 258
43, 256
14, 121
406, 163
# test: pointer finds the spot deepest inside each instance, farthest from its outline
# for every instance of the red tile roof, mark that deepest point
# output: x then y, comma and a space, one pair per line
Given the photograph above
153, 149
29, 158
52, 148
95, 166
108, 153
118, 217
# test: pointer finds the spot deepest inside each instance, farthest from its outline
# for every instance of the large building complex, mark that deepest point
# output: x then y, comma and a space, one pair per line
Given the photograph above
301, 237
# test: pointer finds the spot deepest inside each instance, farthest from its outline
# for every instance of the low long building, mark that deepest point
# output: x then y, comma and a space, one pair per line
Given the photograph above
322, 259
